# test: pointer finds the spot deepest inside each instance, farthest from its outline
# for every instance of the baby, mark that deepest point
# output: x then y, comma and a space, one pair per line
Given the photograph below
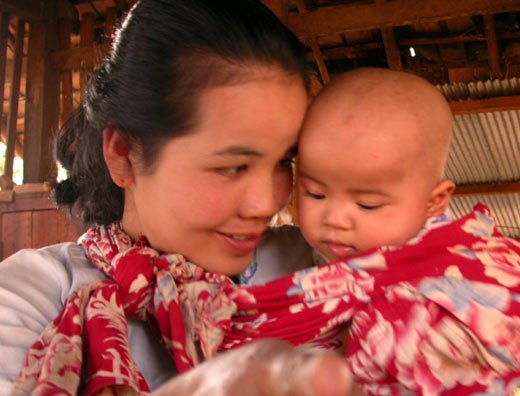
371, 164
439, 315
370, 172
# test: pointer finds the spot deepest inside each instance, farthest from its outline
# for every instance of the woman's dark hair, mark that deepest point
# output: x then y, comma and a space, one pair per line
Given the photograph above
165, 53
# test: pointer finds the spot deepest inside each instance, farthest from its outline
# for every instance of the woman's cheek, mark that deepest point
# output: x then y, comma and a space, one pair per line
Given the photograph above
283, 187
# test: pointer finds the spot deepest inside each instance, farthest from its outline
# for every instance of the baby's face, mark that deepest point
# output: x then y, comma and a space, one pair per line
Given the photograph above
358, 191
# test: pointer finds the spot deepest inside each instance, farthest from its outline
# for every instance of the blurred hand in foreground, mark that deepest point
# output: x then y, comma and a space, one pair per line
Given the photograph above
265, 368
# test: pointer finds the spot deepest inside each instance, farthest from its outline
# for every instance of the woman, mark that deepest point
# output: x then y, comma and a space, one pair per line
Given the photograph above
183, 146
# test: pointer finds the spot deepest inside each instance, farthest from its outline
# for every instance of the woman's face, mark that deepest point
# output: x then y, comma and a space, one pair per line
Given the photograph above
211, 193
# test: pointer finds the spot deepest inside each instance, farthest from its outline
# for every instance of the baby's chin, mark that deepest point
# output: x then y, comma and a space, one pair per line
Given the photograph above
328, 257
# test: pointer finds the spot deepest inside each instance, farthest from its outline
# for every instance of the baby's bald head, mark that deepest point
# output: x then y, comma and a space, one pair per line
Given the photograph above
404, 114
371, 161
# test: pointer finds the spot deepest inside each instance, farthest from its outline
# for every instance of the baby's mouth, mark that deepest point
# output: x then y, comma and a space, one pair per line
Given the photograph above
340, 250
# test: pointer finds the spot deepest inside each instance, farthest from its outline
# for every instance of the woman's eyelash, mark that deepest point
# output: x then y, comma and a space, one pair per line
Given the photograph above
232, 170
287, 162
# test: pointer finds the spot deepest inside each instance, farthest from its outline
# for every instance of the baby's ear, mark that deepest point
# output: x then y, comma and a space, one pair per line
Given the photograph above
440, 198
116, 154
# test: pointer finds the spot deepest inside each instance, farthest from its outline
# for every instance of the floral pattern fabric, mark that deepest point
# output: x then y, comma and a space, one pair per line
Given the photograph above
438, 316
85, 349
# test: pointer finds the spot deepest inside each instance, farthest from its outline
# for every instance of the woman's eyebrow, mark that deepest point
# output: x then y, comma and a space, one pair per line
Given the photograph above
238, 150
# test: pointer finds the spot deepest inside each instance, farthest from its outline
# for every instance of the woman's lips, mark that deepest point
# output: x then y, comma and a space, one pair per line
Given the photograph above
242, 242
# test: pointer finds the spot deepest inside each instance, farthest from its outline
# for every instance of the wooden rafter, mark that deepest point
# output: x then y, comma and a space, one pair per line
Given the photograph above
26, 9
488, 189
343, 18
279, 7
492, 46
393, 56
322, 67
502, 103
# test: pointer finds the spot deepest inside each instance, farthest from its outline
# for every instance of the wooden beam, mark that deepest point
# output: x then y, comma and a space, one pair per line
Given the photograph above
350, 51
501, 103
441, 40
353, 51
343, 18
492, 46
25, 9
279, 7
300, 5
42, 98
456, 39
487, 189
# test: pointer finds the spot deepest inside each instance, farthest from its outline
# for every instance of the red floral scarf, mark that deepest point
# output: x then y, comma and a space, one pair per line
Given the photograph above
440, 315
175, 296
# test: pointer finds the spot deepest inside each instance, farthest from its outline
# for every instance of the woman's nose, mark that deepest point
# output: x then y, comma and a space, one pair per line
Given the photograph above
263, 198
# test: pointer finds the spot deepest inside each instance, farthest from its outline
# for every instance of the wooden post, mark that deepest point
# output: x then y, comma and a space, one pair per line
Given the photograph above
110, 22
42, 97
14, 96
4, 25
86, 39
67, 91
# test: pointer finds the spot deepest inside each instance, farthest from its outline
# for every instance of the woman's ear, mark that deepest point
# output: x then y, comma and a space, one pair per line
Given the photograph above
440, 198
116, 154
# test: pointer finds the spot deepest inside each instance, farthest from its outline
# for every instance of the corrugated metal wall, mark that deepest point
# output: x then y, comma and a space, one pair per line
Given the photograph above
486, 149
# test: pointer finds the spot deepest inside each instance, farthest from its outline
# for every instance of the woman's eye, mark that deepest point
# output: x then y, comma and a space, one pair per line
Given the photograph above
232, 170
287, 163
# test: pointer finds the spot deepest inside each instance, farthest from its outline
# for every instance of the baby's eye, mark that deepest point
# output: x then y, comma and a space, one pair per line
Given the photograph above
232, 170
315, 196
369, 206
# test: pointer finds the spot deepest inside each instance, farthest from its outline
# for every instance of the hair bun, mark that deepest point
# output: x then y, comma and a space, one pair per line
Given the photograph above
66, 192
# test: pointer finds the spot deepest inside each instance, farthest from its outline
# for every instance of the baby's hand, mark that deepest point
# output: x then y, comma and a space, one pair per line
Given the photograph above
264, 368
